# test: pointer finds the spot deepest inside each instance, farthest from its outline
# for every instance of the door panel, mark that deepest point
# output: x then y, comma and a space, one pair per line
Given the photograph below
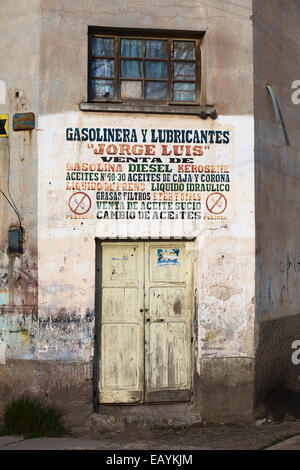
122, 324
146, 322
168, 322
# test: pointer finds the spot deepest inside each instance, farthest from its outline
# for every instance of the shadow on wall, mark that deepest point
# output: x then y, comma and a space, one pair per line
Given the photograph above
282, 404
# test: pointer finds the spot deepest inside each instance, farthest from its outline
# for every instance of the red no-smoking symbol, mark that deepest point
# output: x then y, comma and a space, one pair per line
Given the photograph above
80, 203
216, 203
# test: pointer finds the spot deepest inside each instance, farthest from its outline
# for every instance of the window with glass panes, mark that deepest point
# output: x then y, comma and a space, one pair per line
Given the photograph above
144, 69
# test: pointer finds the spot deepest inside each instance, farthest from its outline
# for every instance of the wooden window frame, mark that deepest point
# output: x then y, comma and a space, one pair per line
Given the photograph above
144, 34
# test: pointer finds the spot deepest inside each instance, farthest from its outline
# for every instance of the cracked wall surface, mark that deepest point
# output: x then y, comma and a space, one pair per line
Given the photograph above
19, 57
276, 61
59, 260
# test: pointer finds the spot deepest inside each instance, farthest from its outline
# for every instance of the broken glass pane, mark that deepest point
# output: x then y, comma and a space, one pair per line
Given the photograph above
103, 47
184, 50
131, 48
184, 91
131, 68
184, 71
156, 48
102, 89
156, 90
102, 68
156, 69
131, 89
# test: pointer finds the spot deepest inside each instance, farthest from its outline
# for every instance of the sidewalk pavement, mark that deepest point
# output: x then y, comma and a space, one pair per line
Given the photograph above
50, 443
289, 444
69, 443
268, 437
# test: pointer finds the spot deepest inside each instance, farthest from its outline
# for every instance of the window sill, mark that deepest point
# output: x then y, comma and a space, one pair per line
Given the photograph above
193, 110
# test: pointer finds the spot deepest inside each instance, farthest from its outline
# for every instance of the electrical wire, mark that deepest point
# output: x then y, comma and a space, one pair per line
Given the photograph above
8, 179
11, 201
12, 207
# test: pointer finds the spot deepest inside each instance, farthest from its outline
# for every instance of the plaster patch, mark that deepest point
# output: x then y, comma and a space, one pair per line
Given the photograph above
223, 292
2, 353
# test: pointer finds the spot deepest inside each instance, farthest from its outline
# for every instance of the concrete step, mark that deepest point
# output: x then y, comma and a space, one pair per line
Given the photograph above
100, 422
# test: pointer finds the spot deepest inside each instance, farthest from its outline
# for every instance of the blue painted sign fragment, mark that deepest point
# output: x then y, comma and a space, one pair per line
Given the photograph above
168, 257
24, 122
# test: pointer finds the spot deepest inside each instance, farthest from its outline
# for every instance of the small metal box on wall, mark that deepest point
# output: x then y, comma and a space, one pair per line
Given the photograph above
24, 122
15, 241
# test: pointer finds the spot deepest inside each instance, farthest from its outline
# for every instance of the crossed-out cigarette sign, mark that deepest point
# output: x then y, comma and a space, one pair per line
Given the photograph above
80, 203
216, 203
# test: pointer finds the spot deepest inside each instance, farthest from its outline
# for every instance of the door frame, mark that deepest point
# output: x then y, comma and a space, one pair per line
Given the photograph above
98, 313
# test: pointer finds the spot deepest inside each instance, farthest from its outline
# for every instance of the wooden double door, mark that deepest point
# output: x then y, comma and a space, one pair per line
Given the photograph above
146, 316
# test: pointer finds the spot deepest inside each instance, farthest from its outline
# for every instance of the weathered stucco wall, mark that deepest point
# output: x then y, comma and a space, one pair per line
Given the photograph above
67, 244
19, 58
276, 61
224, 250
227, 45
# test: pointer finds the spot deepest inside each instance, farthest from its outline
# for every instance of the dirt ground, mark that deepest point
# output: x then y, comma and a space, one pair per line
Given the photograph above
236, 437
221, 437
